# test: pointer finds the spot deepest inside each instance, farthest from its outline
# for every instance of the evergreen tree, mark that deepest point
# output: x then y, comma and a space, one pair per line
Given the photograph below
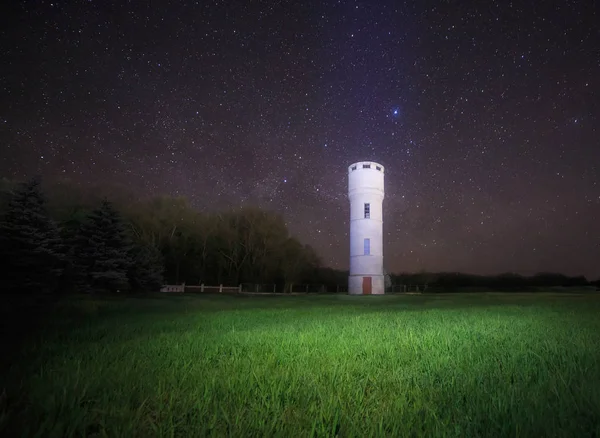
146, 273
30, 243
102, 252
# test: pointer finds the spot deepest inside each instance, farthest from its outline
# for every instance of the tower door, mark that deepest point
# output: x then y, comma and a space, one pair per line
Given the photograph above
366, 286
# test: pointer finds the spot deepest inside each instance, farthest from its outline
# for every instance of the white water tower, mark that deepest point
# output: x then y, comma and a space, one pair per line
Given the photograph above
365, 191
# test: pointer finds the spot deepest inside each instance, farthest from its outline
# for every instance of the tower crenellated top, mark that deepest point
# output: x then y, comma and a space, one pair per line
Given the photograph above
366, 165
366, 177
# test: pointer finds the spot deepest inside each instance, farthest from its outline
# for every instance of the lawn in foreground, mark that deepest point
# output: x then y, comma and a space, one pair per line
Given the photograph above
430, 365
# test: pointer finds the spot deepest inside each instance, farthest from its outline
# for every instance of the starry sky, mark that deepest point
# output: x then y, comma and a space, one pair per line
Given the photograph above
484, 114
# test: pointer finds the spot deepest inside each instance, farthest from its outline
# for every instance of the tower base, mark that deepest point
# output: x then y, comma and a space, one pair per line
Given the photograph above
366, 284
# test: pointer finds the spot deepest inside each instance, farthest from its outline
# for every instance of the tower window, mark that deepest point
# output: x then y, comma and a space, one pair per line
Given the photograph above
367, 246
353, 167
378, 168
367, 211
366, 166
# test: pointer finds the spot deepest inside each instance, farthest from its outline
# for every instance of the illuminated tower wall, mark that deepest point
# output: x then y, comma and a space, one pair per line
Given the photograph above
365, 191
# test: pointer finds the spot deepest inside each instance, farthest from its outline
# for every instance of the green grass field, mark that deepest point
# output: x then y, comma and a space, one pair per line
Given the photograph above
430, 365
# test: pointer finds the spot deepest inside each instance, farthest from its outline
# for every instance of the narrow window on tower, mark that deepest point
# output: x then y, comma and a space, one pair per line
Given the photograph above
367, 211
367, 246
366, 166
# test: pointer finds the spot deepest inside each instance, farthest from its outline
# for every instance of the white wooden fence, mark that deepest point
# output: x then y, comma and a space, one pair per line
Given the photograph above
200, 288
173, 288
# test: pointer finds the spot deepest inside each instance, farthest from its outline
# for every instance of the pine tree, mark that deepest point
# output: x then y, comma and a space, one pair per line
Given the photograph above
146, 273
102, 252
30, 243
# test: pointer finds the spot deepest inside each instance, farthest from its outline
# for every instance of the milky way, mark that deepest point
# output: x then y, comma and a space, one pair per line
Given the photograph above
485, 115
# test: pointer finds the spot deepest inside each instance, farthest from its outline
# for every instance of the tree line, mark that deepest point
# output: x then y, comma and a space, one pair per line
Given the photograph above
67, 238
456, 281
74, 239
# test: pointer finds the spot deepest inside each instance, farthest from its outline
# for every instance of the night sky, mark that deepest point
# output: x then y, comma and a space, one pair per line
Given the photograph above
485, 115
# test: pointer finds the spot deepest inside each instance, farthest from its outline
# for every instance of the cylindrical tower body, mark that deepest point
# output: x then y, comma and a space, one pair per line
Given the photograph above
365, 191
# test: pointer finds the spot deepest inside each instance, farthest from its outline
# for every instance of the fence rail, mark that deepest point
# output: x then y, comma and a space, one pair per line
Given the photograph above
213, 289
301, 289
259, 288
255, 288
173, 288
283, 289
407, 288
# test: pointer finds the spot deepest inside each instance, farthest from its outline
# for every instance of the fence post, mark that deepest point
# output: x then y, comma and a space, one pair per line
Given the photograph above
256, 288
240, 288
220, 288
202, 287
274, 288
